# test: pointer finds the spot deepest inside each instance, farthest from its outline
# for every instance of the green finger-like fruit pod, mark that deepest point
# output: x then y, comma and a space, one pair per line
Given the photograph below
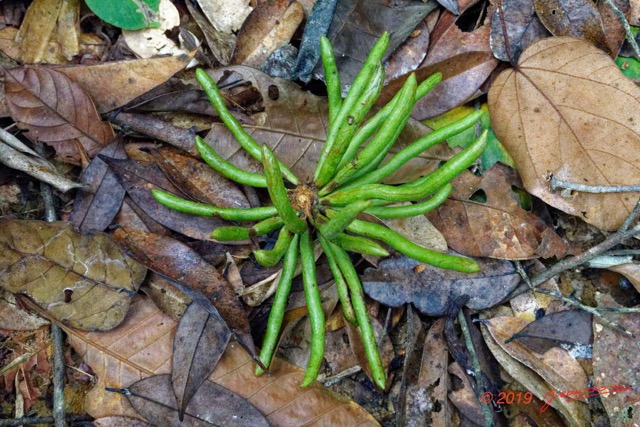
228, 169
364, 323
278, 193
324, 171
334, 91
402, 244
415, 209
341, 284
342, 218
232, 214
232, 233
314, 307
243, 138
360, 245
274, 323
269, 258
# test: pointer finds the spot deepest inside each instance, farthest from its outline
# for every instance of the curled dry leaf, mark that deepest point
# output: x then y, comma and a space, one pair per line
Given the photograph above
294, 125
567, 110
225, 15
498, 227
397, 281
57, 111
82, 280
141, 347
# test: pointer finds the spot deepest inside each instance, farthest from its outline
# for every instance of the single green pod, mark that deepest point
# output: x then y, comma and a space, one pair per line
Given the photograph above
334, 91
228, 169
341, 284
360, 245
323, 173
402, 244
269, 258
231, 233
244, 139
274, 323
278, 193
364, 322
415, 209
343, 217
314, 305
232, 214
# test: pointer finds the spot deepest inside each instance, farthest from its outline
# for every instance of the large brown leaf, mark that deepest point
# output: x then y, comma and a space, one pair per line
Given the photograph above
82, 280
141, 347
56, 110
567, 110
498, 227
294, 126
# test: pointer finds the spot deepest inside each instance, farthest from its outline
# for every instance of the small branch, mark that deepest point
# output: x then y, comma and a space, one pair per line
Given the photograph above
477, 371
571, 301
627, 28
557, 184
13, 422
631, 218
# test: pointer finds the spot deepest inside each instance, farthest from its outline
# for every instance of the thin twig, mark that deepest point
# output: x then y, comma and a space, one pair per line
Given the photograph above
57, 336
557, 184
477, 371
570, 301
635, 213
626, 26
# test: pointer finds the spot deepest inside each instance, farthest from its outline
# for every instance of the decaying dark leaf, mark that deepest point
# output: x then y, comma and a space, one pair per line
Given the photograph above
200, 341
98, 202
82, 280
177, 261
521, 25
57, 111
569, 329
395, 282
497, 227
212, 405
139, 179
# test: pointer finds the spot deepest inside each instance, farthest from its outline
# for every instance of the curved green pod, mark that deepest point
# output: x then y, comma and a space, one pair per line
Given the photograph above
342, 218
228, 169
332, 78
278, 193
232, 214
231, 233
274, 323
402, 244
415, 209
314, 307
341, 284
360, 245
269, 258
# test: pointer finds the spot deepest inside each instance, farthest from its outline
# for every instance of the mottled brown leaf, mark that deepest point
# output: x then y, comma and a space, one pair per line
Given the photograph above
521, 25
114, 84
212, 405
410, 54
200, 341
613, 30
139, 179
57, 111
15, 318
569, 328
179, 262
99, 201
141, 347
567, 110
294, 126
119, 422
397, 281
269, 27
497, 227
573, 18
82, 280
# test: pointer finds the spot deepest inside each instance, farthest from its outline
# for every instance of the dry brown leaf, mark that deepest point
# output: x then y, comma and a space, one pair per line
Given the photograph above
269, 27
294, 125
631, 271
567, 110
57, 111
16, 319
226, 15
114, 84
82, 280
141, 347
499, 227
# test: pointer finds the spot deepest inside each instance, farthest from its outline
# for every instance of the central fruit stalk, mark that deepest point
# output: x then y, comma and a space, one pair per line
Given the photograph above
303, 198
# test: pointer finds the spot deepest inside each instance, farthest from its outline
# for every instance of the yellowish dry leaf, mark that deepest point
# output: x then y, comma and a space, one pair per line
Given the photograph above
567, 110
